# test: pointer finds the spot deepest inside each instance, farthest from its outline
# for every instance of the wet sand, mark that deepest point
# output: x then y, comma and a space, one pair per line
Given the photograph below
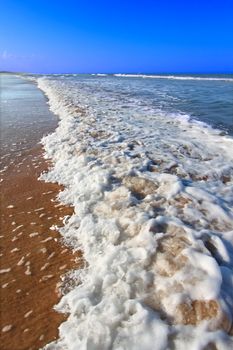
33, 257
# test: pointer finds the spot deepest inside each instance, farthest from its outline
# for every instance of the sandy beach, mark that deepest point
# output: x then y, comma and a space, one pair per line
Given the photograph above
149, 202
33, 258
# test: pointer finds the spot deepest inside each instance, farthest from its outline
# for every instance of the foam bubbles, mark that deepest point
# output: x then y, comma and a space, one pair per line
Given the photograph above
149, 194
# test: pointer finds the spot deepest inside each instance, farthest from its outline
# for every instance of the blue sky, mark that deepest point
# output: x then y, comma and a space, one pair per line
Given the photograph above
47, 36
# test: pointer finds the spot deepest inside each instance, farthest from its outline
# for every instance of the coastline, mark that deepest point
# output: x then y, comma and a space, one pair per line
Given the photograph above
33, 257
154, 234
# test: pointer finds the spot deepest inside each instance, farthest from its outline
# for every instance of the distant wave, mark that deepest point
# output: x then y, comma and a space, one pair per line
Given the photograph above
171, 77
100, 74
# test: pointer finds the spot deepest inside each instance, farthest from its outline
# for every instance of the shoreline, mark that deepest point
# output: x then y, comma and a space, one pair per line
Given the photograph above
33, 257
148, 217
155, 237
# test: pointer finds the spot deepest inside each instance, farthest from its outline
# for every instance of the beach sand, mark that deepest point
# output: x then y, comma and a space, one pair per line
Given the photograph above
33, 253
33, 257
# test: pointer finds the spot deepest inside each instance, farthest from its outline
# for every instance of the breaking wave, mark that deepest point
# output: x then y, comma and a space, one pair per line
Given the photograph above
152, 195
174, 77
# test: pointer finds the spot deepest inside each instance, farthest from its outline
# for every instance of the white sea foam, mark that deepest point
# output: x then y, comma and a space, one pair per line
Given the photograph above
174, 77
152, 195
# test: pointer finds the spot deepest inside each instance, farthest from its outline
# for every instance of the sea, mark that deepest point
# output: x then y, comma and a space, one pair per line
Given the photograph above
205, 98
147, 163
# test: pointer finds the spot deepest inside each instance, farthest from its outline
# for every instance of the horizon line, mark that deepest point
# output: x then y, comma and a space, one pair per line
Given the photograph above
112, 73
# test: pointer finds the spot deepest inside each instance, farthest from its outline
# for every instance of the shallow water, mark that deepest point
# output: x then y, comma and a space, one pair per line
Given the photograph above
152, 190
22, 124
207, 98
32, 256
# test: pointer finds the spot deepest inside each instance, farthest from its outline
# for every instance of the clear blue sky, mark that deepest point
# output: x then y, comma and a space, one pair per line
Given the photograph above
81, 36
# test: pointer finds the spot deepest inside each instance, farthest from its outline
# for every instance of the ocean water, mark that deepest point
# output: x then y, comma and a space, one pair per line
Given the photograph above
22, 124
207, 98
147, 163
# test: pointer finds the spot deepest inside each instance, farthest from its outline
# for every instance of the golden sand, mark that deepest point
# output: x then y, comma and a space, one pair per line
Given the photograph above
32, 255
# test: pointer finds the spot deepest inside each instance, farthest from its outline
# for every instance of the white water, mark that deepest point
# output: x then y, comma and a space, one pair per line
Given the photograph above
152, 194
174, 77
